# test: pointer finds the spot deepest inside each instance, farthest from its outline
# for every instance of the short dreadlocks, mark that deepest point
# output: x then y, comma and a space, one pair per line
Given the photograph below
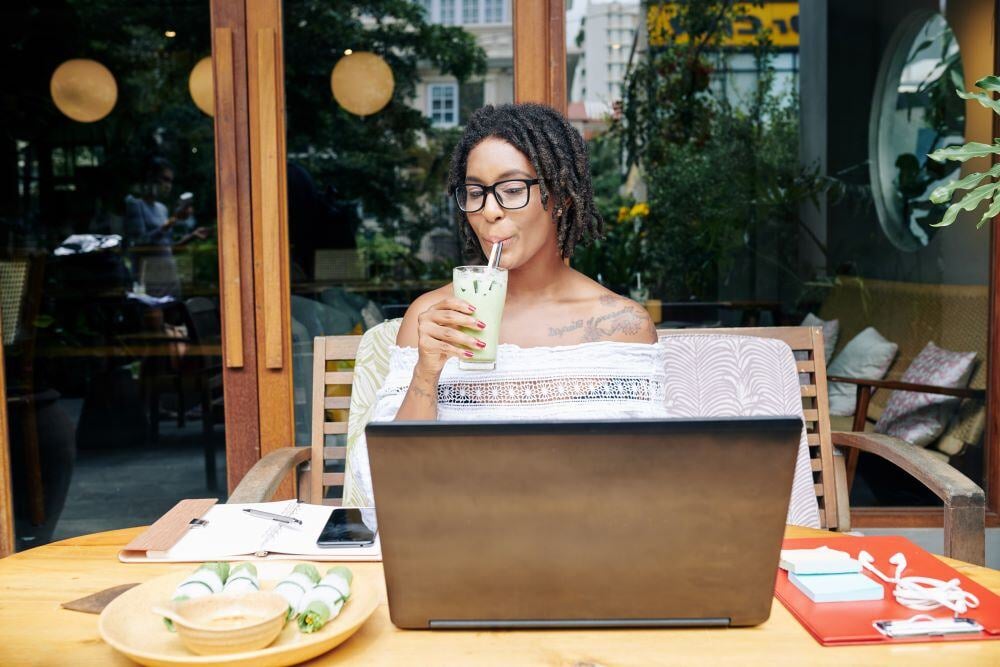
559, 156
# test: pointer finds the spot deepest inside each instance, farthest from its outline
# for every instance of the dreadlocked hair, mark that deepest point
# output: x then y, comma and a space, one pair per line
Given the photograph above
559, 156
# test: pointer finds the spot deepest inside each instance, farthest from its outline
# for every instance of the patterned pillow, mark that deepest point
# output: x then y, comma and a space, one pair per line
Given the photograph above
370, 368
920, 418
831, 332
868, 355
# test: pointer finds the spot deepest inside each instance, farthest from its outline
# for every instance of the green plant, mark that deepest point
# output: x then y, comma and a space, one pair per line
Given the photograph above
715, 219
978, 194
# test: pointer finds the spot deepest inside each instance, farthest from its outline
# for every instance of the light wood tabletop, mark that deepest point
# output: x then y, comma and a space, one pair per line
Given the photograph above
34, 630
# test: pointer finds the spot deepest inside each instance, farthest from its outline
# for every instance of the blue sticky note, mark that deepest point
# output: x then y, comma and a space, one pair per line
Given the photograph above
853, 587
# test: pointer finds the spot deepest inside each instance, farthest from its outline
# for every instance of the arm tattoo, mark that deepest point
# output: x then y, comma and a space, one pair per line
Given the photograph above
423, 393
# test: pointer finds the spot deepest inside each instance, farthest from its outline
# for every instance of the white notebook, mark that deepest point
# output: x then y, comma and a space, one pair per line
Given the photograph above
230, 533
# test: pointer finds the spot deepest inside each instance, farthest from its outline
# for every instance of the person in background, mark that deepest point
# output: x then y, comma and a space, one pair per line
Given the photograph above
149, 230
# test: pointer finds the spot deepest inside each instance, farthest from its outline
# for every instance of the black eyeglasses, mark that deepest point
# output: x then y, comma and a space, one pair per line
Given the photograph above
510, 194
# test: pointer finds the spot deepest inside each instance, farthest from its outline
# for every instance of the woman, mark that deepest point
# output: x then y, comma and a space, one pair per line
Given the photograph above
569, 348
549, 306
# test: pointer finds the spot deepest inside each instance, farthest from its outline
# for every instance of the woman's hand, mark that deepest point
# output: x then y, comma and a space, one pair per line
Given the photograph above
439, 337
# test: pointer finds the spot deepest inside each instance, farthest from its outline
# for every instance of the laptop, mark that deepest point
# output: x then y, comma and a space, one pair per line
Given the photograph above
582, 524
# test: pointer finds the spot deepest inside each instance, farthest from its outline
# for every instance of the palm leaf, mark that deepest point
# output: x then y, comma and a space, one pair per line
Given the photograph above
992, 212
942, 194
967, 152
989, 83
985, 99
969, 202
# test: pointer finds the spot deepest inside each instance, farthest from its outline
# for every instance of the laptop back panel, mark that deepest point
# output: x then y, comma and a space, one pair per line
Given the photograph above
659, 522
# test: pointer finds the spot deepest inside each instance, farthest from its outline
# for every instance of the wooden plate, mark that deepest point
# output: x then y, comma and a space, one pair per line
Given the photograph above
128, 625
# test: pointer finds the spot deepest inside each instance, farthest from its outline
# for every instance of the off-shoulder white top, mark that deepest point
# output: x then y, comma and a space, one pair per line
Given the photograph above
597, 380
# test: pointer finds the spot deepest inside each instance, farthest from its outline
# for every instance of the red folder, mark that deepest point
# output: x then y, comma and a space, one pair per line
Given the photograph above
847, 623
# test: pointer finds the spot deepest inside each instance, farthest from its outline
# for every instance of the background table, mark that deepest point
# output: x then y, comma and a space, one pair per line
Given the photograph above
34, 630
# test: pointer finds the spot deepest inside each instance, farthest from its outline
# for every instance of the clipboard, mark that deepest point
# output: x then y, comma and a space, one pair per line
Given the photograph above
850, 623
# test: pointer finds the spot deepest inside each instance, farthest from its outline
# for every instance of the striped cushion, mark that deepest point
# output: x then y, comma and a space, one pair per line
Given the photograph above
370, 369
712, 375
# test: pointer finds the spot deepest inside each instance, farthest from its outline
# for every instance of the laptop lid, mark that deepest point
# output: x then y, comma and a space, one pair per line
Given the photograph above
582, 524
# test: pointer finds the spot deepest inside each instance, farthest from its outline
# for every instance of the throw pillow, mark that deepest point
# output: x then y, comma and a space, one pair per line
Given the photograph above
868, 355
920, 418
831, 331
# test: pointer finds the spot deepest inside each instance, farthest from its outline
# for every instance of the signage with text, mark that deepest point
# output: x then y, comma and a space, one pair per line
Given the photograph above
782, 18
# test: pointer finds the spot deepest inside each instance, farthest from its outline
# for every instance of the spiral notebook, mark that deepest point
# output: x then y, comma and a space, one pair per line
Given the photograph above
226, 532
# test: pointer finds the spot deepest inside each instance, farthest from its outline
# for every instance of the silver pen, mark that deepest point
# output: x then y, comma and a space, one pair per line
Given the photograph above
280, 518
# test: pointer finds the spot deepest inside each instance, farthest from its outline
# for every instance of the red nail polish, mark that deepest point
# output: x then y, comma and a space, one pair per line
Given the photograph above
472, 308
467, 353
480, 324
480, 344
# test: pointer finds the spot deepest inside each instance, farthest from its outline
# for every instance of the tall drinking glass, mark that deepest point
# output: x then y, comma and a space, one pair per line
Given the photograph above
486, 289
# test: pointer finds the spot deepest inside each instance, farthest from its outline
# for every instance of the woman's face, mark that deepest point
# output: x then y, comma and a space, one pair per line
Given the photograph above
524, 231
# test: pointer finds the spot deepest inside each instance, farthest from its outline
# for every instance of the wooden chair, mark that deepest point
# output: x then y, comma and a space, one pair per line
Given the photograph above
331, 403
964, 502
20, 297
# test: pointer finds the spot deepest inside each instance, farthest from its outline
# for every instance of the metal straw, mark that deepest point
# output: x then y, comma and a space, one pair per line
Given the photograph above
495, 255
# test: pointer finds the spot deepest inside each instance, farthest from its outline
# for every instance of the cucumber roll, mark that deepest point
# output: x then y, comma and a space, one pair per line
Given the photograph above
324, 602
209, 578
294, 587
242, 579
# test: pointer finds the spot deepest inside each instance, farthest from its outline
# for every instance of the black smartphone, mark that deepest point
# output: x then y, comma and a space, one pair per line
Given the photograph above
349, 527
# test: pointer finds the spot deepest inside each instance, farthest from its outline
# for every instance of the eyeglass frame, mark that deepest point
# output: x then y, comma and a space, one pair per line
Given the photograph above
487, 189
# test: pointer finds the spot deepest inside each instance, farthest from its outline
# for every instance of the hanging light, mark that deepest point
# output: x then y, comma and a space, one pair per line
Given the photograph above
362, 83
84, 90
202, 87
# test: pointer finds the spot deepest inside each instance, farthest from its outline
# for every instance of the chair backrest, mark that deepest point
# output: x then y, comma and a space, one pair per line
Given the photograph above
13, 291
337, 410
347, 372
807, 344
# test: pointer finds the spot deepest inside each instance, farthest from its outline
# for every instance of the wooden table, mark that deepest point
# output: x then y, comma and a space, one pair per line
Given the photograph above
34, 630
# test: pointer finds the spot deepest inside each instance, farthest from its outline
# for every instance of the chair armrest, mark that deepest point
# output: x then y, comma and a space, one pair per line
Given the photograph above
260, 483
960, 392
964, 501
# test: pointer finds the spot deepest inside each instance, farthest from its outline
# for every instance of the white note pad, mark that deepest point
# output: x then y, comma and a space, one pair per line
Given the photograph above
854, 587
822, 560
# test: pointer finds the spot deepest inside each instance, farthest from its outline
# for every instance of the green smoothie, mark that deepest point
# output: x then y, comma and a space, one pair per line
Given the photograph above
486, 289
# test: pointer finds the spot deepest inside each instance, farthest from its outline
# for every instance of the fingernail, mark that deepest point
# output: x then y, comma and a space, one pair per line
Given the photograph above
467, 353
480, 324
480, 344
472, 308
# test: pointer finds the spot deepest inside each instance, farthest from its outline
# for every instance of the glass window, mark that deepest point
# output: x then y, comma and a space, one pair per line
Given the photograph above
829, 208
109, 286
470, 11
369, 225
446, 9
494, 11
443, 104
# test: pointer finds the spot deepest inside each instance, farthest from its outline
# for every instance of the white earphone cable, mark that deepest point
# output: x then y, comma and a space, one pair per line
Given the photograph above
921, 593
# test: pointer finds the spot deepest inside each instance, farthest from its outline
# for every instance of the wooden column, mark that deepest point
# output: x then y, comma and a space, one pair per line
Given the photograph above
540, 52
6, 492
236, 275
265, 86
991, 480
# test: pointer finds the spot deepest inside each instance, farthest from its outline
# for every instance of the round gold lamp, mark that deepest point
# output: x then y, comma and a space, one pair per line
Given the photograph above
362, 83
84, 90
201, 86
